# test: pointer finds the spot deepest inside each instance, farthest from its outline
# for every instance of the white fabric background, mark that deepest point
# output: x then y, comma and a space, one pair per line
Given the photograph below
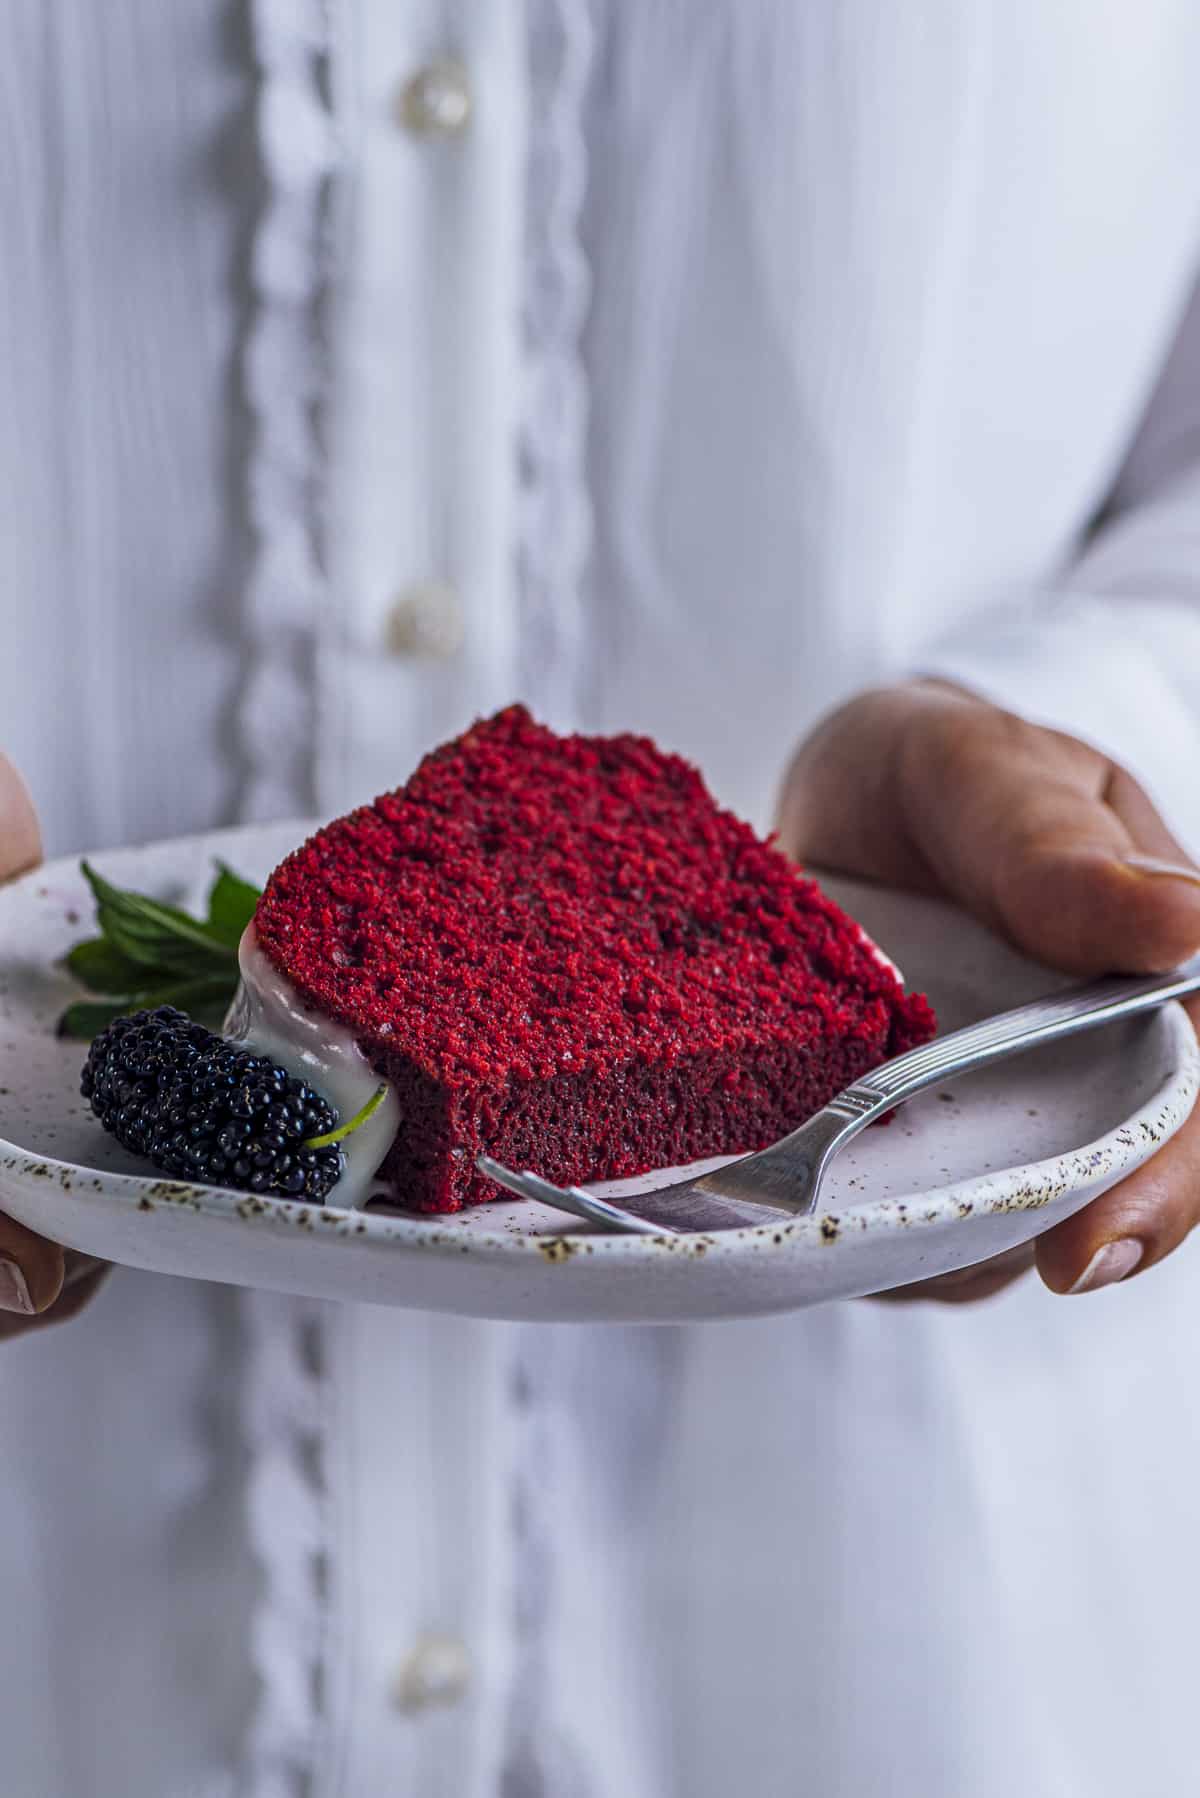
864, 308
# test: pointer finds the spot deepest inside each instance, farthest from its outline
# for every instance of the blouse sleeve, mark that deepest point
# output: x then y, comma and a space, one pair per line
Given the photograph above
1110, 651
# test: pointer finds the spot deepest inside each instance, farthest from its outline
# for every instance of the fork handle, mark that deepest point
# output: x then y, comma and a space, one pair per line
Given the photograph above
1010, 1032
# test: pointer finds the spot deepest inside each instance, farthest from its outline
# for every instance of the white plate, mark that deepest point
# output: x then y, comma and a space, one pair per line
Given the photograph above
962, 1174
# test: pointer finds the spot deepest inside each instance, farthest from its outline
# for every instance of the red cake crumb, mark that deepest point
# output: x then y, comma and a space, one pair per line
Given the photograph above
560, 951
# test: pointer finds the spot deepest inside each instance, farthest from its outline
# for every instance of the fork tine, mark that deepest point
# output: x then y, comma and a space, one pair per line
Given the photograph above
571, 1199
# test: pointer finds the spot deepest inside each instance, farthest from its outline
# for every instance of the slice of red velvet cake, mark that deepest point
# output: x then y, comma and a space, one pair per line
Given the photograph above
559, 950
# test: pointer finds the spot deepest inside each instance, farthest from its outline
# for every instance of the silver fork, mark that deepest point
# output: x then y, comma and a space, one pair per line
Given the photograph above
787, 1176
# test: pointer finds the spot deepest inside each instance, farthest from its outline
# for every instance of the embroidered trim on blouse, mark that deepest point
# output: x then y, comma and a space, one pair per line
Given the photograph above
539, 1760
555, 520
553, 544
285, 372
290, 1531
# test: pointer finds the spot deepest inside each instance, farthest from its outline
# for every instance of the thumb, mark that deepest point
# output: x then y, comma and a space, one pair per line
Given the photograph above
20, 843
31, 1270
1055, 846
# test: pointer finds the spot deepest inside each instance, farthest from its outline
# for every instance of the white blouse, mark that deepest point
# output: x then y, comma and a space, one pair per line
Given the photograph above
685, 368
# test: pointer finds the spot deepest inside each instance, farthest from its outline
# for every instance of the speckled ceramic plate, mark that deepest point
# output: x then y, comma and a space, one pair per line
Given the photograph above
961, 1174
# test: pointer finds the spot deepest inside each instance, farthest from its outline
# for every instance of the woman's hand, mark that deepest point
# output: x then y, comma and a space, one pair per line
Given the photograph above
926, 787
39, 1284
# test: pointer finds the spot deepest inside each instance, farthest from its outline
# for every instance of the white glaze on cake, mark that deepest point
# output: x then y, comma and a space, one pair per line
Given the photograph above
269, 1017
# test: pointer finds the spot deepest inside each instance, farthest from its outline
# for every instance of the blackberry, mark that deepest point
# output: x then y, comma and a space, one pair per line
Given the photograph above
204, 1109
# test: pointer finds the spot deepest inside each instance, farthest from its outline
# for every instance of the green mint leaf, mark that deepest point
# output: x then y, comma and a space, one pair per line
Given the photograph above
160, 953
152, 954
99, 965
145, 928
231, 905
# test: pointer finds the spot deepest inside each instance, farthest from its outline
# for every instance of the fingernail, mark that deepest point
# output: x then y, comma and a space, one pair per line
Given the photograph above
1152, 864
14, 1292
1109, 1264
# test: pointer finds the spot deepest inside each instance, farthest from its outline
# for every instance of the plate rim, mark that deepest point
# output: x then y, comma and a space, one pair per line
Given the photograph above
1027, 1186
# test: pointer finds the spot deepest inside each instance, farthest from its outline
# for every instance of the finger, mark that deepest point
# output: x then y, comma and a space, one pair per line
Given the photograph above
1134, 1225
31, 1270
840, 807
84, 1277
20, 839
70, 1302
1035, 832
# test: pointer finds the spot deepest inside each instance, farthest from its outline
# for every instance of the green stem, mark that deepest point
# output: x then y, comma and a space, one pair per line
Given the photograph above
360, 1117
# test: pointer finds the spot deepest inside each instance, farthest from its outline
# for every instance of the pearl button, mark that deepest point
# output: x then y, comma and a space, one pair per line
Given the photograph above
426, 620
436, 101
436, 1672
